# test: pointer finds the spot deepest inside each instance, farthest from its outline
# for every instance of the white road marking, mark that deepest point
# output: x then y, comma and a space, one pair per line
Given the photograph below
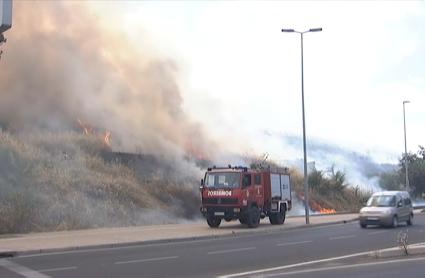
21, 270
294, 243
341, 267
377, 232
147, 260
342, 237
57, 269
231, 250
292, 265
418, 244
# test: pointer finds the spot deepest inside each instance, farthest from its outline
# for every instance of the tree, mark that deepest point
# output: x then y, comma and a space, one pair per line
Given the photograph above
416, 171
391, 180
315, 178
396, 180
338, 179
330, 181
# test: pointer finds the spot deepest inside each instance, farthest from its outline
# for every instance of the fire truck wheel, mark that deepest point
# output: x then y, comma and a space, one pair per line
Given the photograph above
272, 218
242, 221
253, 217
278, 218
213, 222
282, 215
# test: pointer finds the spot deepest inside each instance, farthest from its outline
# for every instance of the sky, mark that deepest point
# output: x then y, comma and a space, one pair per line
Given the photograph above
240, 76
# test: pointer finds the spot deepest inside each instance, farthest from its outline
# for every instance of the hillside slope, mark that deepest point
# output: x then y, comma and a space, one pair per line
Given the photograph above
60, 181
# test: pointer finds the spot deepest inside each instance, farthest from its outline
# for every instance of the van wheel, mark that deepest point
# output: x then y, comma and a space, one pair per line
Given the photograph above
213, 222
410, 221
363, 225
395, 222
253, 219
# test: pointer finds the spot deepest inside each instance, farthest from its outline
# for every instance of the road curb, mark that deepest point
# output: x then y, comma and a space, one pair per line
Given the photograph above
12, 253
7, 254
412, 250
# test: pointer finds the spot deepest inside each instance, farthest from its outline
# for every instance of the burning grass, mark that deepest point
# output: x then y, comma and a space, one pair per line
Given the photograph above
59, 181
330, 195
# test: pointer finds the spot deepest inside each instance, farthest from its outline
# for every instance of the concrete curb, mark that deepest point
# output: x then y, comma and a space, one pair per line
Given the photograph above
323, 214
8, 254
11, 253
413, 249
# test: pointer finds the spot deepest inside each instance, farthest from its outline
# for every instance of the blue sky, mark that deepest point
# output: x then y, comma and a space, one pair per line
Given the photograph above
240, 76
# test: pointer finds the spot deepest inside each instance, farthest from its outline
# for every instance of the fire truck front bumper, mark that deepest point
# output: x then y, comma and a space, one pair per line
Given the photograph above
227, 213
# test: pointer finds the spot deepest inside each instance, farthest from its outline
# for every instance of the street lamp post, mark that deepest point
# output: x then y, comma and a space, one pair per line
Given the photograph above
406, 161
307, 212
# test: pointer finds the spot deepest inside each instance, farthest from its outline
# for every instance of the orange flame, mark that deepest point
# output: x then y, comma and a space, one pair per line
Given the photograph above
315, 205
86, 129
89, 130
327, 211
194, 151
107, 138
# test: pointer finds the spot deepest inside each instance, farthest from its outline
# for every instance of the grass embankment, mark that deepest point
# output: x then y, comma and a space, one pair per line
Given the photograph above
51, 181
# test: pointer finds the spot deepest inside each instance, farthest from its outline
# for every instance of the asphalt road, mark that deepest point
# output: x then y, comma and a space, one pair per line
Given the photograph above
221, 256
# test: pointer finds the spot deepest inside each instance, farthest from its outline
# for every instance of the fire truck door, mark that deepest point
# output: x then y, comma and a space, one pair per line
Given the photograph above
258, 187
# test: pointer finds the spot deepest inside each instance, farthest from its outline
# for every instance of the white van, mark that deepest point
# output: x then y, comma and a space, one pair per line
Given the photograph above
387, 208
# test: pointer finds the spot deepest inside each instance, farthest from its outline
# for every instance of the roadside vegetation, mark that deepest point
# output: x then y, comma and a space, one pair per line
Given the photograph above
329, 191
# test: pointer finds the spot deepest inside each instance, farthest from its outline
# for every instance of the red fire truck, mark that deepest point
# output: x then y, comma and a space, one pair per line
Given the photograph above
245, 194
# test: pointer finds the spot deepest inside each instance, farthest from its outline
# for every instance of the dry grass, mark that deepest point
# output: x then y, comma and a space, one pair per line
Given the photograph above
348, 198
58, 181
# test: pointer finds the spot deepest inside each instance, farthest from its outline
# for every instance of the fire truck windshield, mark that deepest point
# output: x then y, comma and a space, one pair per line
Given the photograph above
222, 180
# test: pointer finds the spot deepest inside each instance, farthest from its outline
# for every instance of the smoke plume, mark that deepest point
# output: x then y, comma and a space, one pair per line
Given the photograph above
62, 67
62, 64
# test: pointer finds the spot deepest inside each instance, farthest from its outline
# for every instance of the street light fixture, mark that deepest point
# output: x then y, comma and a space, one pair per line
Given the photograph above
307, 212
406, 161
